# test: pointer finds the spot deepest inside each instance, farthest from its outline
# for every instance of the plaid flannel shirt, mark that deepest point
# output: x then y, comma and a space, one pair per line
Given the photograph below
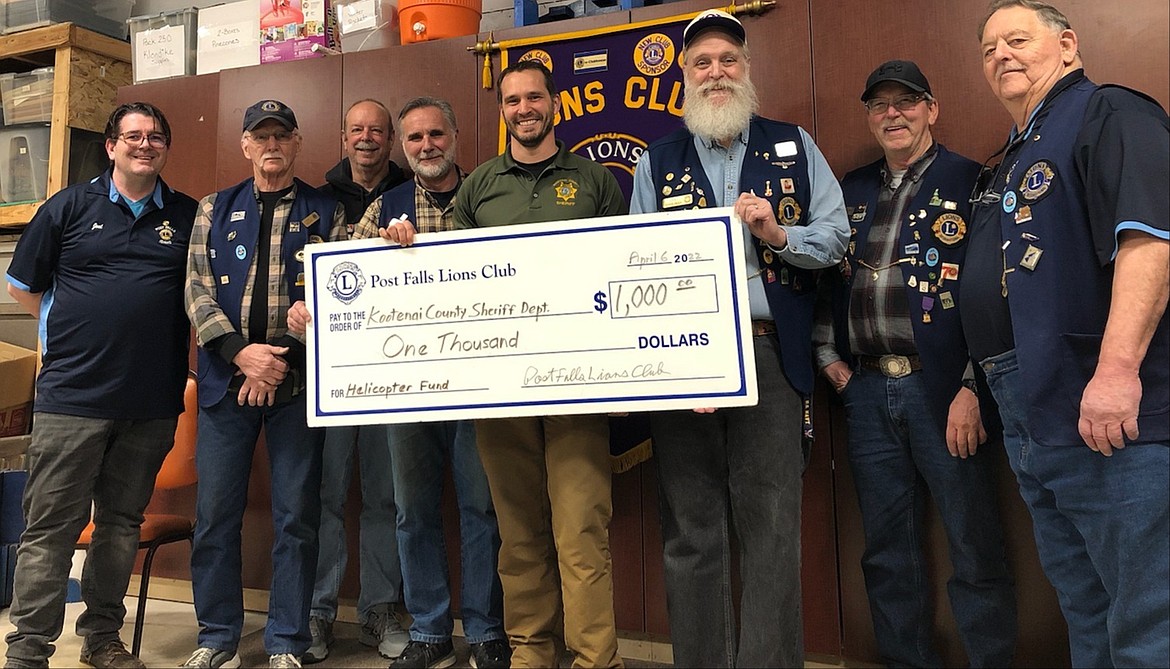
431, 217
204, 310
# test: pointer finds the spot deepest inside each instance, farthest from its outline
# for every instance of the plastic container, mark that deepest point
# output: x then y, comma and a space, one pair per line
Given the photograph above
24, 162
163, 45
294, 29
363, 25
104, 16
423, 20
228, 37
27, 97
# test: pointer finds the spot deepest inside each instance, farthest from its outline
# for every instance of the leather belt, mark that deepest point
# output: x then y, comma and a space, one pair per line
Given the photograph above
893, 366
761, 327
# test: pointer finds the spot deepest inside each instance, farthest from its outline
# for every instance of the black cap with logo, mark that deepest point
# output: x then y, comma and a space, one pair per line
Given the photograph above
713, 18
904, 72
269, 109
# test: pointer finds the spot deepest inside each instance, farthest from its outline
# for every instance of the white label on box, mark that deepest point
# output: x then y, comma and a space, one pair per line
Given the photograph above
160, 53
229, 36
360, 15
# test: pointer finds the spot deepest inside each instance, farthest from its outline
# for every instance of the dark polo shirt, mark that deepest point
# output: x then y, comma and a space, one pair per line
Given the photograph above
113, 328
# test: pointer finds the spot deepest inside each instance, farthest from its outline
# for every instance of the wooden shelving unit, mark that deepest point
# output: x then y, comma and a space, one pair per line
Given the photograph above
88, 69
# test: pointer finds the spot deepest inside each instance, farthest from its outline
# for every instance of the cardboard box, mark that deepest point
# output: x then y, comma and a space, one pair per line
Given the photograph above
18, 368
289, 29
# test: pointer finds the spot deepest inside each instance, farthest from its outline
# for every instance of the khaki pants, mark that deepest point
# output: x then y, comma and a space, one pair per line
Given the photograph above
550, 483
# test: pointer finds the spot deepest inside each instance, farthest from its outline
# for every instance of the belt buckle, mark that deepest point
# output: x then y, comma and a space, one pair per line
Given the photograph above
895, 366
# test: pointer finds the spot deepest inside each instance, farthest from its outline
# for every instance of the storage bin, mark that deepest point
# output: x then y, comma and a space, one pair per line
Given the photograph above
367, 24
228, 36
104, 16
27, 97
24, 162
289, 29
163, 45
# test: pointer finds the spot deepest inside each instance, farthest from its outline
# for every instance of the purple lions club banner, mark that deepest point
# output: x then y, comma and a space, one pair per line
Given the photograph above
620, 88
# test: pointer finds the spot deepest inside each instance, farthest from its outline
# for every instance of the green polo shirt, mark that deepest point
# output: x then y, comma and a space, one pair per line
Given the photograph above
500, 192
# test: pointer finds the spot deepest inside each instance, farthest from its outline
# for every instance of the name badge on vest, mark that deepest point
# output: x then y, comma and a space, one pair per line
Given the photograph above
784, 149
309, 220
238, 216
678, 201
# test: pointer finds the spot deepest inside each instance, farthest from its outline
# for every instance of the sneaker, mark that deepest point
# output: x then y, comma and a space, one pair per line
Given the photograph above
494, 654
422, 655
112, 654
322, 633
382, 629
212, 658
283, 661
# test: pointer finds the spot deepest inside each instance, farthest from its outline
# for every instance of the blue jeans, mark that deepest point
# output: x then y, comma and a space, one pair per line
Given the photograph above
742, 463
223, 458
72, 462
1102, 528
420, 450
898, 454
381, 575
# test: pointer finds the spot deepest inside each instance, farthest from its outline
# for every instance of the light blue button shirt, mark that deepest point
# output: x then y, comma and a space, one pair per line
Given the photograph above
819, 244
138, 206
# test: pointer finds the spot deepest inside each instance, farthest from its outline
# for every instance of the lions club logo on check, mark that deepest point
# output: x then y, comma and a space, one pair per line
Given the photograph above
346, 282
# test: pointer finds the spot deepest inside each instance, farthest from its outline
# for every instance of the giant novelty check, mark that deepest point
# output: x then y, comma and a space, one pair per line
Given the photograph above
597, 315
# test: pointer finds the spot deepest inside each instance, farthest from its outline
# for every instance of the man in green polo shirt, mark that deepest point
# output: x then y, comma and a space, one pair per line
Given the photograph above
549, 475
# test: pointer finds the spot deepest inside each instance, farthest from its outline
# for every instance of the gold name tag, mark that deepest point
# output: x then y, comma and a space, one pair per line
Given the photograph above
678, 201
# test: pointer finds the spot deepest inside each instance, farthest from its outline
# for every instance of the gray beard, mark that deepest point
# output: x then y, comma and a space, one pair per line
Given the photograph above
435, 172
719, 122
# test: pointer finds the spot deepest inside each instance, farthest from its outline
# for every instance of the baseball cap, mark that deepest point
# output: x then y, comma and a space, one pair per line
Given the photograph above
269, 109
904, 72
713, 18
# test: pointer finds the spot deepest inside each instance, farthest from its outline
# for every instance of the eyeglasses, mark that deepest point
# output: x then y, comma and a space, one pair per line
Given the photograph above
156, 140
879, 106
281, 136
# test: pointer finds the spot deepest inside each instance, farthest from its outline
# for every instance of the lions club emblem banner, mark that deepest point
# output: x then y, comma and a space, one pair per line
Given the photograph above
620, 88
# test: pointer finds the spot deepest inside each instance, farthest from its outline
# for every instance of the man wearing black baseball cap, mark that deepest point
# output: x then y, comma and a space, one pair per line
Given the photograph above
251, 374
890, 341
740, 468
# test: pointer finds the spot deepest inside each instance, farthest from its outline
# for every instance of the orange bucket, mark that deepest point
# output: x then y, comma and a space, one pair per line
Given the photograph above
422, 20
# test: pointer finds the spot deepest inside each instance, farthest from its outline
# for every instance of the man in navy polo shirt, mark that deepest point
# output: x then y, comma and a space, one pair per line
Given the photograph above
246, 266
891, 342
1064, 302
102, 266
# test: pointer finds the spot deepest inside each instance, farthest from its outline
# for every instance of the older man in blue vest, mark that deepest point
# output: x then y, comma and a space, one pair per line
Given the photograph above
1064, 303
244, 269
890, 340
743, 463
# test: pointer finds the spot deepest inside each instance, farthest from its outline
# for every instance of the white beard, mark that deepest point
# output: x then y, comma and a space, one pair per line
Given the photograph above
719, 121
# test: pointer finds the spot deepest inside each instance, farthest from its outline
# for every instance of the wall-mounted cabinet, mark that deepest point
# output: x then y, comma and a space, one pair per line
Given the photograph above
87, 69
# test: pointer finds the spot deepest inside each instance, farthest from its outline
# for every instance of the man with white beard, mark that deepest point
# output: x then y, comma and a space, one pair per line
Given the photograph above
744, 463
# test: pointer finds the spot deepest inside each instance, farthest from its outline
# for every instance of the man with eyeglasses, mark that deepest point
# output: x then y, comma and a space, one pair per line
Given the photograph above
246, 266
102, 266
1065, 292
890, 341
740, 468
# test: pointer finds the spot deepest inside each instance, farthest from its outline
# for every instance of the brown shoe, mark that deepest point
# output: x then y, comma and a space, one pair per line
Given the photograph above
111, 655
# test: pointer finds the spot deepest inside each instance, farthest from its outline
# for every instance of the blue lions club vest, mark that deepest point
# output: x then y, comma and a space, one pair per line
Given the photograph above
232, 245
933, 233
783, 181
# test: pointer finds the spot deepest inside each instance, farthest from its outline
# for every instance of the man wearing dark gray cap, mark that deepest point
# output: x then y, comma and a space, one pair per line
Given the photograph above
246, 265
890, 341
739, 469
